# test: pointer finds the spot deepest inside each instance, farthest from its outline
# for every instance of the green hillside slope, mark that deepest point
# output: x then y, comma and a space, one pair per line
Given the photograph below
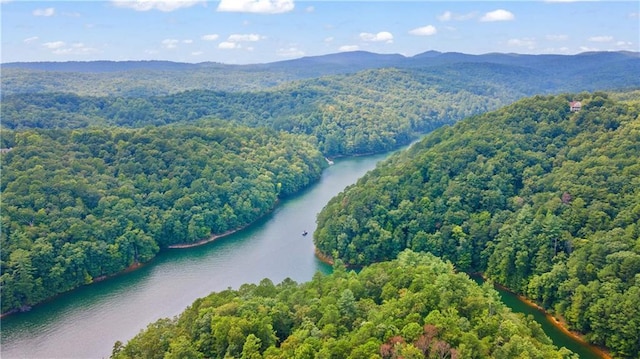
80, 205
541, 199
372, 111
412, 307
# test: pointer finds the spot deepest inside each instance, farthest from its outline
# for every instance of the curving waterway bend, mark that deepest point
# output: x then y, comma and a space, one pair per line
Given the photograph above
87, 322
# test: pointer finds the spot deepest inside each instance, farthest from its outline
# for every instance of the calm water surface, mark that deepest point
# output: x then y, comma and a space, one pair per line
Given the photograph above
85, 323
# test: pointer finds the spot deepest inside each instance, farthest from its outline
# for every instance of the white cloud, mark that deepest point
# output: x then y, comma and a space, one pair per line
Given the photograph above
310, 9
30, 39
170, 43
424, 31
197, 53
44, 12
557, 37
525, 42
290, 52
54, 44
328, 39
601, 38
228, 45
448, 16
77, 48
588, 49
383, 36
345, 48
244, 37
210, 37
498, 15
162, 5
187, 41
256, 6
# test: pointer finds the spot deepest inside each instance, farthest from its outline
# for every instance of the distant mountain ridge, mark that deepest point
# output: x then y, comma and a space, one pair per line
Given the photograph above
352, 59
153, 78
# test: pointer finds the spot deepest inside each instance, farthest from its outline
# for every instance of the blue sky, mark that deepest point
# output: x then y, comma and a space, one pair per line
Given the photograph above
258, 31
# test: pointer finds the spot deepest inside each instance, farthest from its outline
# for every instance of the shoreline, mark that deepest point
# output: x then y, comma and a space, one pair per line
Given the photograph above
214, 237
558, 323
135, 265
323, 258
201, 242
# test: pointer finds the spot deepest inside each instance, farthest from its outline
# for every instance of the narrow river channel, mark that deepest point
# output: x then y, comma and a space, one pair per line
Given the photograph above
87, 322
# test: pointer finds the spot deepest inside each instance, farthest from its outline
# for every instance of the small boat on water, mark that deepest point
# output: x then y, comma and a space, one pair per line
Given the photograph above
304, 233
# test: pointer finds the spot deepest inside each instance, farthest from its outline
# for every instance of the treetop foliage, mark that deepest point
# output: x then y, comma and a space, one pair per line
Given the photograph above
541, 199
79, 205
415, 306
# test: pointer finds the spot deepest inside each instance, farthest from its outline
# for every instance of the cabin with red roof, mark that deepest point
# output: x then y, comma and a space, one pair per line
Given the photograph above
575, 106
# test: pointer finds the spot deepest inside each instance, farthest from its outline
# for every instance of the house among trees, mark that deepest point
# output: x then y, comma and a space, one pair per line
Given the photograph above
575, 106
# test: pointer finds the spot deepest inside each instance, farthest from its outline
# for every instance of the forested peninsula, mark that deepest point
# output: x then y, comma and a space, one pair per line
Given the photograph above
416, 306
542, 199
79, 205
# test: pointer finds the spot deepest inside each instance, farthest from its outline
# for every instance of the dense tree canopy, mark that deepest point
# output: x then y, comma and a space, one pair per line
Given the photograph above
79, 205
543, 200
413, 307
371, 111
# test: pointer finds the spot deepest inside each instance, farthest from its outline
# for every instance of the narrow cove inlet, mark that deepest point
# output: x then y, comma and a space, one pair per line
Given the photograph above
87, 322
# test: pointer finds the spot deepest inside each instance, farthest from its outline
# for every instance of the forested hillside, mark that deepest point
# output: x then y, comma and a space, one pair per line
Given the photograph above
585, 71
371, 111
79, 205
541, 199
413, 307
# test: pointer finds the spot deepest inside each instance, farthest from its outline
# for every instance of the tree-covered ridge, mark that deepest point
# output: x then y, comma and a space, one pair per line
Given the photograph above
541, 199
78, 205
586, 71
413, 307
371, 111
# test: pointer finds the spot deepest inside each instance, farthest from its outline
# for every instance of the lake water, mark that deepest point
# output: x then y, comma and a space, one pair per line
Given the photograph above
87, 322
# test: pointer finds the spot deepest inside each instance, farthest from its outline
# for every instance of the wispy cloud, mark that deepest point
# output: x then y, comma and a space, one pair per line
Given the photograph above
30, 39
234, 41
382, 36
290, 52
170, 43
162, 5
54, 44
557, 37
227, 45
345, 48
601, 38
256, 6
424, 31
448, 16
77, 48
497, 15
245, 37
210, 37
44, 12
62, 48
529, 43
